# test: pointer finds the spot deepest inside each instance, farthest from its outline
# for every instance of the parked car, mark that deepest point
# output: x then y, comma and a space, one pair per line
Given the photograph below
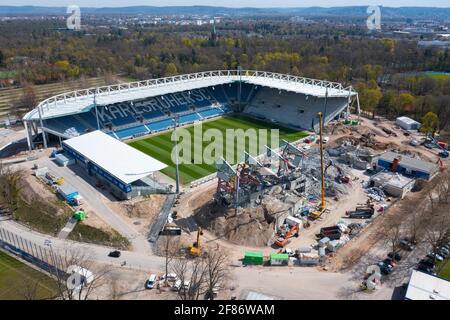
407, 245
385, 268
114, 254
425, 269
150, 283
435, 256
395, 256
170, 277
427, 262
390, 262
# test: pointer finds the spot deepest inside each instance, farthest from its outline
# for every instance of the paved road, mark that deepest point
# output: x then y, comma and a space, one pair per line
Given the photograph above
95, 200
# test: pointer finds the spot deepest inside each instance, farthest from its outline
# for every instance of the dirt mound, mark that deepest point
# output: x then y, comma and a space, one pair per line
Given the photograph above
249, 226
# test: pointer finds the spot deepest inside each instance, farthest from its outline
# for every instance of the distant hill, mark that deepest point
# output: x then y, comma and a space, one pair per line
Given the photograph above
351, 11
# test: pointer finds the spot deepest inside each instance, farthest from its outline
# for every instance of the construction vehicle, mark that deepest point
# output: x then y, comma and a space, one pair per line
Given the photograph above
432, 142
196, 249
333, 233
322, 207
284, 239
362, 212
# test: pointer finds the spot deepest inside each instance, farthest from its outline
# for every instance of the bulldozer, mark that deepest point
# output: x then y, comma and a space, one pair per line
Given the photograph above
195, 249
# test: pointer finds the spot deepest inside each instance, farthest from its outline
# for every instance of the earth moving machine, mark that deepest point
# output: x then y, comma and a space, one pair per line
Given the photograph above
333, 233
430, 140
195, 249
283, 240
322, 207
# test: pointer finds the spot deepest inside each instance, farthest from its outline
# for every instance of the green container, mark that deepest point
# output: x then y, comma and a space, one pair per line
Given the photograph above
279, 259
80, 215
347, 121
252, 257
354, 122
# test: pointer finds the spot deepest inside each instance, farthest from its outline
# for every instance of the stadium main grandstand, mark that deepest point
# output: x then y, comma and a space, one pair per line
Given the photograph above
135, 109
111, 114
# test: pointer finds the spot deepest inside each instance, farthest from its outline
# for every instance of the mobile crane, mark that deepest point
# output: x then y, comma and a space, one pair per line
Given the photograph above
322, 207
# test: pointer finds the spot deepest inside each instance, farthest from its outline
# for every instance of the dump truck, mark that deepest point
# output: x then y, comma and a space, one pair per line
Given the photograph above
363, 212
334, 232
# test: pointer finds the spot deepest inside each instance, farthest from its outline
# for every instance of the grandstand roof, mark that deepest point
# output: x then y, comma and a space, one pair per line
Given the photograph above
119, 159
83, 100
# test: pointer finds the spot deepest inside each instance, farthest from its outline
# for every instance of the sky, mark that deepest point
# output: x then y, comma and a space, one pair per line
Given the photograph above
230, 3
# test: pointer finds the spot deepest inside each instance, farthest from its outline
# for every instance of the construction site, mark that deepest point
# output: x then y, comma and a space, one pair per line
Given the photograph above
301, 204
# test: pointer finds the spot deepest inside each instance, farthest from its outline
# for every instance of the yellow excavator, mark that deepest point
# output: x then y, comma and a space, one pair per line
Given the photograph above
322, 207
196, 249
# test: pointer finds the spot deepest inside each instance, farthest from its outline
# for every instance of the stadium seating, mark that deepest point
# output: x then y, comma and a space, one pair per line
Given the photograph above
131, 132
218, 94
211, 112
298, 110
67, 125
188, 118
160, 125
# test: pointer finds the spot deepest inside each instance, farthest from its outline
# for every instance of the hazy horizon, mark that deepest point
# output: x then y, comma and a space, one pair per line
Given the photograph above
232, 4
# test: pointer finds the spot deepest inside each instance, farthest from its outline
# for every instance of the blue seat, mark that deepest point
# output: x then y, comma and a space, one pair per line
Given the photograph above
188, 118
160, 125
131, 132
213, 112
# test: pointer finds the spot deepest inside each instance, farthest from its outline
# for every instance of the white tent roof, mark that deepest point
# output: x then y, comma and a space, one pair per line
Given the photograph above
423, 286
83, 100
119, 159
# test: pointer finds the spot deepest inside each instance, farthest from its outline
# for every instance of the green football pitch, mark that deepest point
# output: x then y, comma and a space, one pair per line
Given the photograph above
160, 146
18, 281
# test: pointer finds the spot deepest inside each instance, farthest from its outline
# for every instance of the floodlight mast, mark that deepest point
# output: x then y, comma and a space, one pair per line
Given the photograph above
177, 177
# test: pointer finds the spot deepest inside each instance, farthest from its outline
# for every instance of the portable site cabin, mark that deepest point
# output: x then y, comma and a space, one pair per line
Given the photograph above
64, 160
279, 259
408, 166
67, 192
254, 258
407, 123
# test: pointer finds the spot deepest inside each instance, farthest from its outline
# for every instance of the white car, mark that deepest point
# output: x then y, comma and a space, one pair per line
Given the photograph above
170, 277
306, 147
151, 282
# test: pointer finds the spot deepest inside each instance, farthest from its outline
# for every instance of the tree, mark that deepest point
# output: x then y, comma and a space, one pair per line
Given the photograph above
405, 102
2, 58
171, 69
430, 123
369, 99
29, 99
217, 270
168, 248
73, 285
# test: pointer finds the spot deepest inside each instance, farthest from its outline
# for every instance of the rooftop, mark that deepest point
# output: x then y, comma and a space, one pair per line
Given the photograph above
412, 163
83, 100
407, 120
393, 179
423, 286
119, 159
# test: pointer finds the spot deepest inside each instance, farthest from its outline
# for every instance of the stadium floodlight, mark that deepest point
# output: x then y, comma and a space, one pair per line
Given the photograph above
177, 175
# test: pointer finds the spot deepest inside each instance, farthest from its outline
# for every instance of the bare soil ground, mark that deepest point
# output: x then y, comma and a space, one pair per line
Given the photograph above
140, 211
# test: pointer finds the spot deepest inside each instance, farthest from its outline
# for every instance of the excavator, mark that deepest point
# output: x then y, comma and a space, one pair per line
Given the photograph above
322, 206
282, 241
195, 249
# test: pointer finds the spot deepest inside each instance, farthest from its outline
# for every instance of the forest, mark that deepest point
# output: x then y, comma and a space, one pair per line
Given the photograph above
385, 71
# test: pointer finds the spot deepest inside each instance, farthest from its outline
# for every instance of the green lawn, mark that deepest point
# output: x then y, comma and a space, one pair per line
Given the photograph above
20, 282
160, 146
444, 271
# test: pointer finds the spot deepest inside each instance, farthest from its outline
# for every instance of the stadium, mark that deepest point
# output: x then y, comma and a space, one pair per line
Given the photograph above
103, 128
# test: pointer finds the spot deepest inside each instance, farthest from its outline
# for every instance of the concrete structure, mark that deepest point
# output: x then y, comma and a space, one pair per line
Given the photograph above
392, 183
122, 169
423, 286
407, 166
407, 123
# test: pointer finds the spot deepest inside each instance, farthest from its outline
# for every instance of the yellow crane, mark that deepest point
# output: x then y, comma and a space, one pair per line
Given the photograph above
322, 207
196, 249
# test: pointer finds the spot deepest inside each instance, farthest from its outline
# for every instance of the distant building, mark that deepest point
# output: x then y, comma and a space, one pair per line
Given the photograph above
423, 286
407, 166
407, 123
434, 43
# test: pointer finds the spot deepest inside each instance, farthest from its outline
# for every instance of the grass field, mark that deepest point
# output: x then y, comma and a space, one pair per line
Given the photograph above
19, 281
444, 269
160, 146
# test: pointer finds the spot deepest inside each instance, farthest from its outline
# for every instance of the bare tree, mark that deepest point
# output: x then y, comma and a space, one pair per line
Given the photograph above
193, 276
9, 187
393, 237
76, 274
169, 248
217, 270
